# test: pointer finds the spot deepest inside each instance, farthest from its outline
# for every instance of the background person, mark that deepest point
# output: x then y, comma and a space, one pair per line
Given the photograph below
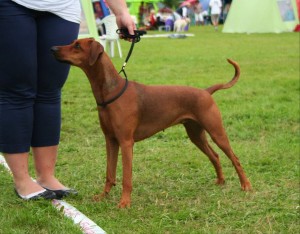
198, 13
182, 12
216, 9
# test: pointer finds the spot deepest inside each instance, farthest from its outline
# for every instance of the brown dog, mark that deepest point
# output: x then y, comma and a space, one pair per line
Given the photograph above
138, 111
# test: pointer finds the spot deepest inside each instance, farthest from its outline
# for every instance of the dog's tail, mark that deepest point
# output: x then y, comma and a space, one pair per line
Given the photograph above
228, 85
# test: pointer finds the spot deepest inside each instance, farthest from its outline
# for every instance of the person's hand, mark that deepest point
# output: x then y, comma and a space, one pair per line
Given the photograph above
124, 20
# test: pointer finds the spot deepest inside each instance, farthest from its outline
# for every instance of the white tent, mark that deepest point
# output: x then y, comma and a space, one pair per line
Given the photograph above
261, 16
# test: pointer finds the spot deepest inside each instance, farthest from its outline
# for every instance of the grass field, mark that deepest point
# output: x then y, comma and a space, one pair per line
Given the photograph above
174, 190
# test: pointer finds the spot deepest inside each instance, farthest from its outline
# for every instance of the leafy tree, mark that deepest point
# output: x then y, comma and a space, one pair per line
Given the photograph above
172, 3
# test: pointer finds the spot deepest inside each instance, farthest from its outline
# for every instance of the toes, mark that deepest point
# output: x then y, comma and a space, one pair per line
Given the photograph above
247, 186
220, 181
124, 204
100, 197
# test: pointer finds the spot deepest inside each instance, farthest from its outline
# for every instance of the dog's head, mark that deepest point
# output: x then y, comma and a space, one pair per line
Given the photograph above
82, 52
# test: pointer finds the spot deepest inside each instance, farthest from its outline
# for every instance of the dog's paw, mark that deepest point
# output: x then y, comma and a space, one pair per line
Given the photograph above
247, 186
100, 197
220, 181
124, 204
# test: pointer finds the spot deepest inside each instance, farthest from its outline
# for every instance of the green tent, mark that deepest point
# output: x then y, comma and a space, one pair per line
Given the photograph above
261, 16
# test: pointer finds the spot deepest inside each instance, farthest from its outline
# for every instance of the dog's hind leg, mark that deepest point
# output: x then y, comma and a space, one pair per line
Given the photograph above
217, 133
197, 135
223, 142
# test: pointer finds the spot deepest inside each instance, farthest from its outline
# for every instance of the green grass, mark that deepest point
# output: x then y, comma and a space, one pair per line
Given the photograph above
174, 189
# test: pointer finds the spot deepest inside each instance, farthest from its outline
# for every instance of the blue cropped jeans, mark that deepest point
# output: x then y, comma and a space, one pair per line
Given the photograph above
30, 78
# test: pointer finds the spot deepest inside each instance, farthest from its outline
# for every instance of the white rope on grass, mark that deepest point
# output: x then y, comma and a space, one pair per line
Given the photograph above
86, 225
169, 35
3, 163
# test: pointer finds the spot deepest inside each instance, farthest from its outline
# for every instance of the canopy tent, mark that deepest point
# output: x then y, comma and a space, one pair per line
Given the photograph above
188, 2
257, 16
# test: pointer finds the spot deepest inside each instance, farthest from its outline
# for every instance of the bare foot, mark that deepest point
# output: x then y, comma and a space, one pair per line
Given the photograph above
27, 187
50, 183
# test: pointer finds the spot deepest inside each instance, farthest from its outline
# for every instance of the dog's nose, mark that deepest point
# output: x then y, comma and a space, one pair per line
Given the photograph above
54, 49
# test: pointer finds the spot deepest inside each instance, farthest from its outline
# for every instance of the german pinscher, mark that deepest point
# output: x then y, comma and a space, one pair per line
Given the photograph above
130, 112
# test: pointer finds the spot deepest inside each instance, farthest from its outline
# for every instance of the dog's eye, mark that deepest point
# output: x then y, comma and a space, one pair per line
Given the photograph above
77, 45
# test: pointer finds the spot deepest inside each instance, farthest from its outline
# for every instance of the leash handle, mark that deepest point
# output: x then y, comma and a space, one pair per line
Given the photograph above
136, 37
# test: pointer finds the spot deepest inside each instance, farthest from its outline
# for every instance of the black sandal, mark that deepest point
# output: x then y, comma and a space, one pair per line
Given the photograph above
43, 194
60, 193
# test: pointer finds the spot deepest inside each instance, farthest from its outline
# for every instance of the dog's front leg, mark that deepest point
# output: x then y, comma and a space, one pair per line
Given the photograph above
127, 156
112, 150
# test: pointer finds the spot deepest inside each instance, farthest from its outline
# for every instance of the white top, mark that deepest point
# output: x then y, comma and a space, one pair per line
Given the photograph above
215, 6
67, 9
184, 12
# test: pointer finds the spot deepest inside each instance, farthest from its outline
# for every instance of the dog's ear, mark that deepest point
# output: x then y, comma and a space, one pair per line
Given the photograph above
96, 50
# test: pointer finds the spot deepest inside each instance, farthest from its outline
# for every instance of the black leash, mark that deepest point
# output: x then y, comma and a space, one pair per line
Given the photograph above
135, 38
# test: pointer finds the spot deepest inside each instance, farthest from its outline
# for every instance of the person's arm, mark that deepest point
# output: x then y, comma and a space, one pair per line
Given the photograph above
124, 20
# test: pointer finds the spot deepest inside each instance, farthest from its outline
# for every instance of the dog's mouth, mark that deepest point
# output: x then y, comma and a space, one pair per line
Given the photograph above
57, 57
63, 61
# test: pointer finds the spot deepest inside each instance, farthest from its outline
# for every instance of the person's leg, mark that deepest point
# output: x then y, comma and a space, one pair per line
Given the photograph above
213, 20
52, 30
18, 163
17, 77
17, 91
197, 19
45, 160
217, 20
201, 19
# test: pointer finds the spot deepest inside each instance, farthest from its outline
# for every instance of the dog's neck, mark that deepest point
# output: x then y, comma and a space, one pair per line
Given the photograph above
104, 78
